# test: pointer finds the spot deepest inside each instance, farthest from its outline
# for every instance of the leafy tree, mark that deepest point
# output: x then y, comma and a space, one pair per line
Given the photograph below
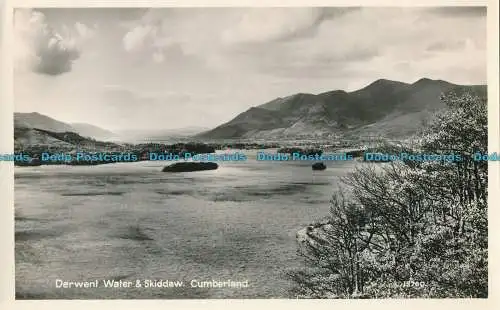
406, 223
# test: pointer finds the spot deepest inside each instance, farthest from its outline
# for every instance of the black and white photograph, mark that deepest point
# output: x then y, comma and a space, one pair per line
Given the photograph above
314, 152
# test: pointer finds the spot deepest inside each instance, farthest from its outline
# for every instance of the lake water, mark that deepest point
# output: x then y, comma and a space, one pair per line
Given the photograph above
130, 221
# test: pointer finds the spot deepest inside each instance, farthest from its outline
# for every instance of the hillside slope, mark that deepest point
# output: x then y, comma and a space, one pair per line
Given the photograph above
40, 121
39, 139
387, 108
88, 130
37, 120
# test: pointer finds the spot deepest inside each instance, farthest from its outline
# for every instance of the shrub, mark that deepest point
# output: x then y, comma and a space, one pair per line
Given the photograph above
408, 223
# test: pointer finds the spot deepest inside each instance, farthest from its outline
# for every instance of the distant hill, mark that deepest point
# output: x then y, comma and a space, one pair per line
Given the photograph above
37, 120
140, 136
88, 130
385, 107
41, 139
40, 121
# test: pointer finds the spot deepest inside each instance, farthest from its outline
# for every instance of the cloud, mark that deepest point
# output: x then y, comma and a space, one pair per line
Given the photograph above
312, 42
42, 49
263, 25
209, 33
136, 39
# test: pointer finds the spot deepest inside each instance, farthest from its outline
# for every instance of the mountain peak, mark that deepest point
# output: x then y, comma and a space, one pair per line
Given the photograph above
385, 82
427, 81
382, 85
382, 80
424, 80
297, 96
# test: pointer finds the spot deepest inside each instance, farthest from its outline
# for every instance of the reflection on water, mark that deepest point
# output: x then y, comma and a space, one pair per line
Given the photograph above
132, 222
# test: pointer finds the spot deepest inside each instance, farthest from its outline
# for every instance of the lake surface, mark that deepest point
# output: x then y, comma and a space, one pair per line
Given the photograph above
130, 221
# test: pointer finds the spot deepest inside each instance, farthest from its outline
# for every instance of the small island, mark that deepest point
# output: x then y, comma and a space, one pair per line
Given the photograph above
318, 166
190, 167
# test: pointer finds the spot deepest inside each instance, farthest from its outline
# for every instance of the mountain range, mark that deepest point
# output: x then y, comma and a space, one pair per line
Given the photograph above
383, 108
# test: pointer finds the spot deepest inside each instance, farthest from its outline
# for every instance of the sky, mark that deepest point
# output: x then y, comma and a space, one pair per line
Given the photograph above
162, 68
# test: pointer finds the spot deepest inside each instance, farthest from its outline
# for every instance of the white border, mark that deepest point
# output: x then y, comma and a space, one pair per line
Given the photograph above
6, 170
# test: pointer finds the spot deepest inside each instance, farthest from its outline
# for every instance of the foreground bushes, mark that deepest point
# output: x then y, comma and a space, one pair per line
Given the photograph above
406, 229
